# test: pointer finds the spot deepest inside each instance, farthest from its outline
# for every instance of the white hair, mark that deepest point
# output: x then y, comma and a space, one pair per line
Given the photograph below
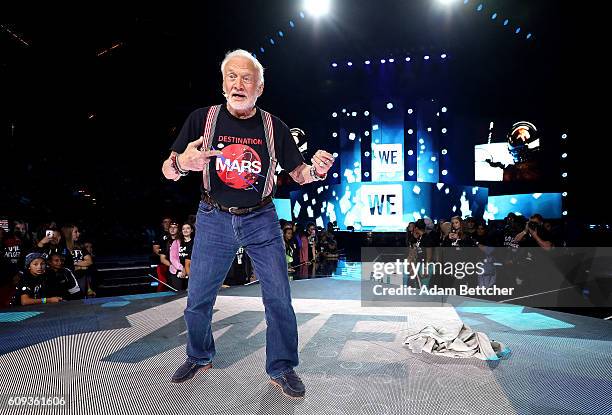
243, 54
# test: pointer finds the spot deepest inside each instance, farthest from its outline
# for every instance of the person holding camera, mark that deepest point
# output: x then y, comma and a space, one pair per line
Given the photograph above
534, 234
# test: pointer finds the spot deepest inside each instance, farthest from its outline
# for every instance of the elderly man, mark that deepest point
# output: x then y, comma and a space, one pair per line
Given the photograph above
238, 149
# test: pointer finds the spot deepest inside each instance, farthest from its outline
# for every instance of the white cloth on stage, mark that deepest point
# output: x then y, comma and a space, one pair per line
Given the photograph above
457, 342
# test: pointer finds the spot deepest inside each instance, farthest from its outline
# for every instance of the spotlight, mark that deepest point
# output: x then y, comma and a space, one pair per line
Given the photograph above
444, 131
422, 147
350, 63
564, 213
518, 30
407, 58
382, 61
354, 113
410, 111
334, 135
410, 131
443, 56
444, 172
367, 62
317, 8
444, 109
261, 50
564, 155
351, 136
335, 175
375, 127
366, 133
494, 16
271, 41
334, 114
389, 106
280, 33
480, 7
366, 174
426, 57
391, 60
334, 64
444, 151
528, 36
366, 113
410, 152
367, 154
430, 171
343, 109
564, 194
564, 174
421, 141
410, 173
335, 155
564, 136
428, 129
506, 22
302, 15
291, 23
433, 158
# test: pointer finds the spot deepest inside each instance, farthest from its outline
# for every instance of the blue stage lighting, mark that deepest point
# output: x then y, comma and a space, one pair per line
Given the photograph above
480, 7
302, 15
528, 36
564, 136
494, 16
407, 58
421, 141
271, 41
410, 131
366, 133
391, 60
506, 22
433, 158
564, 194
444, 131
291, 23
350, 63
389, 105
335, 175
261, 50
426, 57
382, 61
518, 30
564, 155
428, 129
444, 172
367, 154
366, 113
354, 113
334, 135
334, 114
564, 213
410, 173
410, 111
367, 62
443, 56
410, 152
444, 109
564, 174
444, 151
280, 33
334, 64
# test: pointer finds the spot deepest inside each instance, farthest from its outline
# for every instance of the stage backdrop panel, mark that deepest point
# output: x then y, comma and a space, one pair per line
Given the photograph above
385, 206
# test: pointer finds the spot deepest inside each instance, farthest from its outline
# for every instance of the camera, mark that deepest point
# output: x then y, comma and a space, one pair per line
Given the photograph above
533, 225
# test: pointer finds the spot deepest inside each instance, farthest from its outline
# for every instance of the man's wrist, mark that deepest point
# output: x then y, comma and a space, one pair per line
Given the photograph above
315, 176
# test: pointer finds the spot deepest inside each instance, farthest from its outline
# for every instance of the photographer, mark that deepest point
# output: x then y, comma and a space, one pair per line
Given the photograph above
534, 234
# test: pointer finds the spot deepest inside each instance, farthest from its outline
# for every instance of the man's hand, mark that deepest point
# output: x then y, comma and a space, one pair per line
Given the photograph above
322, 161
54, 299
193, 159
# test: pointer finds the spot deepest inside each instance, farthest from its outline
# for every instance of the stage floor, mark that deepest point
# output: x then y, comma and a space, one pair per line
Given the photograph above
116, 355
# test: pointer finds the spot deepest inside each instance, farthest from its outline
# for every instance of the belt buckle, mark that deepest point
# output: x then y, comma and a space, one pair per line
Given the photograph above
231, 209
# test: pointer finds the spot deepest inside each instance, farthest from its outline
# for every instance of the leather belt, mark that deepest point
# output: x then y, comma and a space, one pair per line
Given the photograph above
234, 210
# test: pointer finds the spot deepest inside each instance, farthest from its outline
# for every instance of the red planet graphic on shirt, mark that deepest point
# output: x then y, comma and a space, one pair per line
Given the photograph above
239, 167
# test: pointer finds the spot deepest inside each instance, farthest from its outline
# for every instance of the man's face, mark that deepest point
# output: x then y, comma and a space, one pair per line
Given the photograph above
241, 83
20, 229
75, 234
56, 262
166, 224
37, 266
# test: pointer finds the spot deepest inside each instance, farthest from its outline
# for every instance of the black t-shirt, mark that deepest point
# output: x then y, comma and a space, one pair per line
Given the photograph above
47, 285
13, 248
185, 249
238, 177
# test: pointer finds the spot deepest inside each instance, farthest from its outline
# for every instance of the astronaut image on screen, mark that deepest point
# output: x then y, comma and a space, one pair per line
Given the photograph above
524, 148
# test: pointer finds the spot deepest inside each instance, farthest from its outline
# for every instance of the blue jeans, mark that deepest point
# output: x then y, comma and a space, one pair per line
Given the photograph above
218, 237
